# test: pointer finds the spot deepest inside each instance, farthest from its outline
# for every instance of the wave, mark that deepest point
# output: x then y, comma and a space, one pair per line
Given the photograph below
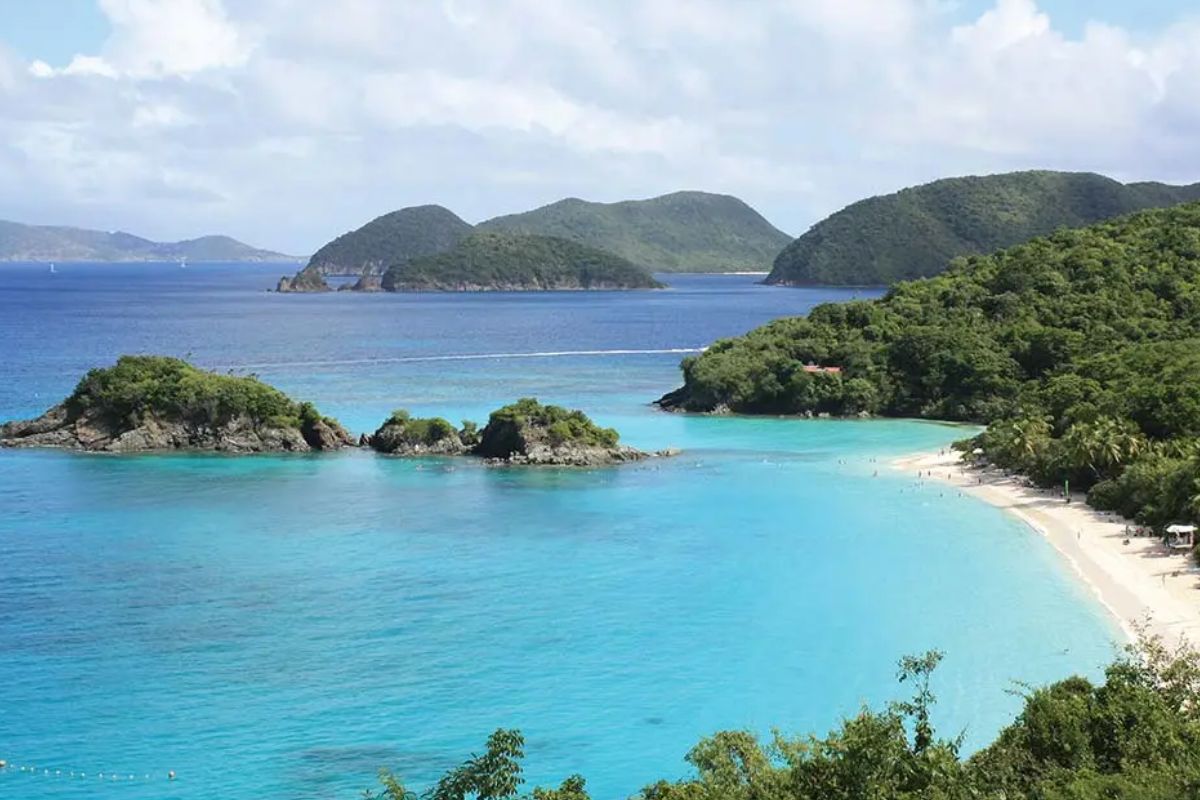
461, 357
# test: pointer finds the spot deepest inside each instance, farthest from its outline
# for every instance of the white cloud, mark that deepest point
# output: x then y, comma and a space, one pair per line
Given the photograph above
288, 121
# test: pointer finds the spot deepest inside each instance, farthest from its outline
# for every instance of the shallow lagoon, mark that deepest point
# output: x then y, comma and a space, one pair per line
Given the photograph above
282, 626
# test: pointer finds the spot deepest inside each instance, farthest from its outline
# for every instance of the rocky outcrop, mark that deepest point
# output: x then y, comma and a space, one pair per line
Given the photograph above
306, 280
157, 403
404, 435
365, 283
524, 433
94, 431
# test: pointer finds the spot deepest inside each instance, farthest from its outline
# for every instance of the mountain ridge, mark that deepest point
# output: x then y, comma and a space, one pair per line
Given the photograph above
64, 243
916, 231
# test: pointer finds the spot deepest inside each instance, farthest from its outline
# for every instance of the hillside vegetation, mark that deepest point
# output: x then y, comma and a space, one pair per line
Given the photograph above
145, 403
1136, 736
390, 239
56, 243
1082, 349
916, 232
511, 262
680, 232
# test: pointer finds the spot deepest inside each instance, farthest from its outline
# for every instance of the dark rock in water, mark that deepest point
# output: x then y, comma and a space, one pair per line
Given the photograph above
154, 403
306, 280
365, 283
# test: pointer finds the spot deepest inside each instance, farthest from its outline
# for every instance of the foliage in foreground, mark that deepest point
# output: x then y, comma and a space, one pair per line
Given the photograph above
1080, 349
1136, 736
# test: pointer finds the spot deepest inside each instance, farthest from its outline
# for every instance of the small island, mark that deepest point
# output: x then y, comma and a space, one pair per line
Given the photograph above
156, 403
509, 262
525, 432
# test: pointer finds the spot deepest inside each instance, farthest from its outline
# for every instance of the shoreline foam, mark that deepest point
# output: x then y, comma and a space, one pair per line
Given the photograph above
1138, 583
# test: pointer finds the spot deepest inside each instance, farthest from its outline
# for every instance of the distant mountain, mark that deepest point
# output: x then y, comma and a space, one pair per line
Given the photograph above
916, 232
680, 232
516, 262
55, 243
390, 239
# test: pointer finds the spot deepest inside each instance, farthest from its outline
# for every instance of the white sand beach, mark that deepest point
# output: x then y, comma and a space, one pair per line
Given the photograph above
1138, 582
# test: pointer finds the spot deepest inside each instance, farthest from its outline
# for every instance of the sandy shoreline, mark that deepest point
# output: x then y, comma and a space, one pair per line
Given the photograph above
1137, 582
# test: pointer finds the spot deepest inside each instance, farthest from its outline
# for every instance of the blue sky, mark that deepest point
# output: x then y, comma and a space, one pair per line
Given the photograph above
286, 122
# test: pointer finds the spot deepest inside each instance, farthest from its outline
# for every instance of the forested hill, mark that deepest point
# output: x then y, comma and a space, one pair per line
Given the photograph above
916, 232
390, 239
1082, 349
20, 242
515, 262
679, 232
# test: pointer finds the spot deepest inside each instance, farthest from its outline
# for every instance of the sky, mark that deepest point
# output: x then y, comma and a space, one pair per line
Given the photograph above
287, 122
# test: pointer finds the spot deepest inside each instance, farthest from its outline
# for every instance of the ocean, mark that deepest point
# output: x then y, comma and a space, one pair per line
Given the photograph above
283, 626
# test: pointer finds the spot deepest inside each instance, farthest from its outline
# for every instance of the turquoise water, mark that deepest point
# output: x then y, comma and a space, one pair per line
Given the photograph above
280, 627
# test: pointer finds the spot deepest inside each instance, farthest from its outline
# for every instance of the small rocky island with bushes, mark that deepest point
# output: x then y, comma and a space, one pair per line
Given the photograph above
525, 432
156, 403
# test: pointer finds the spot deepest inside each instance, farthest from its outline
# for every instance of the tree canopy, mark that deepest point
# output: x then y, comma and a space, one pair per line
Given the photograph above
916, 232
1136, 736
1082, 349
678, 232
517, 262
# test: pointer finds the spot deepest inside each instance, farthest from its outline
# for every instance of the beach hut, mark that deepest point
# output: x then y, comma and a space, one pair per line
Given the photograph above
1181, 537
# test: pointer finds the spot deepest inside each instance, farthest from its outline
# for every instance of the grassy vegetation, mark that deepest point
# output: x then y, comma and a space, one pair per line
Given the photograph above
1081, 349
1136, 736
390, 239
138, 387
680, 232
510, 429
511, 261
916, 232
420, 430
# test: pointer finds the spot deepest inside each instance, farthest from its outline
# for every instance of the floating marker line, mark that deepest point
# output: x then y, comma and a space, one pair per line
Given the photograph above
77, 774
462, 357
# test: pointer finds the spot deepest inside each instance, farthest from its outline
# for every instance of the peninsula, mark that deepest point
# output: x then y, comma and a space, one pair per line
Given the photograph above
1079, 349
523, 433
157, 403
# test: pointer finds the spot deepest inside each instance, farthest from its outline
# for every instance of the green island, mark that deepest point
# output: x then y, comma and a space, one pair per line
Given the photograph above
1136, 736
524, 432
678, 232
516, 262
917, 232
1080, 350
156, 403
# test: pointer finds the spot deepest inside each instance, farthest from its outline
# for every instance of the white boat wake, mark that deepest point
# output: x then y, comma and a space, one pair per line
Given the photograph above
462, 357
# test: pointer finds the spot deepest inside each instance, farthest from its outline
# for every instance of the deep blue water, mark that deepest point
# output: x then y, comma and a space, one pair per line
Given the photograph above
280, 627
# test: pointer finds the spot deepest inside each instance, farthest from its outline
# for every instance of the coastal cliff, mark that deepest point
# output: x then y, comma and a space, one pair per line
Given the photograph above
156, 403
523, 433
307, 280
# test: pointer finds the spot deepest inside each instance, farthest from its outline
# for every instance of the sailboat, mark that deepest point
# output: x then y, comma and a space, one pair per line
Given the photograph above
183, 262
52, 269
